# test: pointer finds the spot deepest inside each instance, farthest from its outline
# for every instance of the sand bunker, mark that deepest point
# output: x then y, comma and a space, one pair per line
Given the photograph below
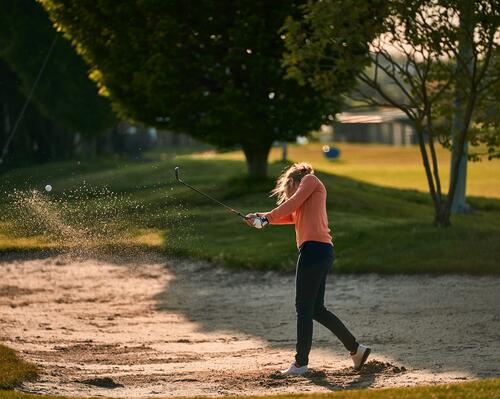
157, 327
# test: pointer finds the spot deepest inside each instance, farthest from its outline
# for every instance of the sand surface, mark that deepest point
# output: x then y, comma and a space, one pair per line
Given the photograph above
158, 327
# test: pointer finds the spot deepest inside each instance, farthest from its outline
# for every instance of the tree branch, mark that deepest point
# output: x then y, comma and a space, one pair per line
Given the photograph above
403, 107
403, 71
396, 81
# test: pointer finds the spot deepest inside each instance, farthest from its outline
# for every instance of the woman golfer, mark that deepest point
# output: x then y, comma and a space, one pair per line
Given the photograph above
302, 201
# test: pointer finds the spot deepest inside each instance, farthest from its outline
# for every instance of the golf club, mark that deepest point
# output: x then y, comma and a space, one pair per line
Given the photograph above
177, 176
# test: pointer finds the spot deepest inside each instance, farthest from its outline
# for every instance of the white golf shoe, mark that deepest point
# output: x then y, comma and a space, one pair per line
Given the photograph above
359, 358
294, 370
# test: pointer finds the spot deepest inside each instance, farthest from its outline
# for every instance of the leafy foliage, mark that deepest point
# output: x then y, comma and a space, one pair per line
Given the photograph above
210, 68
485, 131
64, 93
331, 41
442, 55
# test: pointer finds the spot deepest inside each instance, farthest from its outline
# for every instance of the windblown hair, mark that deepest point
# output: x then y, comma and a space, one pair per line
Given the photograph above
290, 178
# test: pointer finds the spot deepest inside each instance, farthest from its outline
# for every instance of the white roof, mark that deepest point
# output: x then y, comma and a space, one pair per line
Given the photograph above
378, 116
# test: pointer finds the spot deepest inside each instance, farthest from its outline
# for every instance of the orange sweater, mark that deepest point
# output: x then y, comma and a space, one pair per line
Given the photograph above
306, 208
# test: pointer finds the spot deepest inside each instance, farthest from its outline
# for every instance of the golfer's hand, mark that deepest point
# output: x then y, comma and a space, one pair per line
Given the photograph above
250, 218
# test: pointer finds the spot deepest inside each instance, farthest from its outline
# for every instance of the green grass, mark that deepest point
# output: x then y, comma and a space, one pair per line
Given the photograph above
376, 227
13, 370
388, 166
486, 389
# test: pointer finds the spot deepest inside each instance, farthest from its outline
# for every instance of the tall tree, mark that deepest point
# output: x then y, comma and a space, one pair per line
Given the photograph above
38, 138
64, 94
427, 34
459, 204
210, 68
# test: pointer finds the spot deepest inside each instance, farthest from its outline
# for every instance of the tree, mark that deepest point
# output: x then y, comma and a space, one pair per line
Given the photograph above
485, 136
37, 137
209, 68
64, 94
427, 34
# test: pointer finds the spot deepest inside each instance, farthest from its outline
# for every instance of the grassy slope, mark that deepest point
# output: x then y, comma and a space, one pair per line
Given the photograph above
376, 229
13, 370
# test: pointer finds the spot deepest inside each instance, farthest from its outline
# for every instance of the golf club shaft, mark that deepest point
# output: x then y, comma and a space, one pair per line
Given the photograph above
207, 196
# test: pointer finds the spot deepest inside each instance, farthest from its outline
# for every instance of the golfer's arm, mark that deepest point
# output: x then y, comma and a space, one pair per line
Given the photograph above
306, 188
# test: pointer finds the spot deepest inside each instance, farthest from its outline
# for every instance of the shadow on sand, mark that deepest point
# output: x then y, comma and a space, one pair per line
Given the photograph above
406, 319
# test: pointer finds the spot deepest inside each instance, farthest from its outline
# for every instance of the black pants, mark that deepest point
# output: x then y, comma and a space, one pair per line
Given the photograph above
315, 261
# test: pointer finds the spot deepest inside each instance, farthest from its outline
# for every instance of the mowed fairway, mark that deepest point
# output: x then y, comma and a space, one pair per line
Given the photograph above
389, 166
380, 221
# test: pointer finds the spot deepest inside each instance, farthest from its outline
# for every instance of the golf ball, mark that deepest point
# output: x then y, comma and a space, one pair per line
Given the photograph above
48, 188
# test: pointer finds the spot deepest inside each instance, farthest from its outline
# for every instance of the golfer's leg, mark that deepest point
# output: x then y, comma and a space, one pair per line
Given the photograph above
308, 279
330, 321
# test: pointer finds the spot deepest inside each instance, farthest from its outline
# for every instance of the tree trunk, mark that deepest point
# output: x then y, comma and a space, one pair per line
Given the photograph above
6, 121
442, 217
437, 199
256, 157
284, 151
459, 204
40, 131
4, 132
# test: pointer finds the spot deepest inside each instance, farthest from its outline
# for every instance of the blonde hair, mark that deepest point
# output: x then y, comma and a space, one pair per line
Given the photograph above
292, 175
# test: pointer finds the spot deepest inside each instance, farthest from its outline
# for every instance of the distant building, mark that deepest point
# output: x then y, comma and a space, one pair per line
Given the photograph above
132, 139
385, 126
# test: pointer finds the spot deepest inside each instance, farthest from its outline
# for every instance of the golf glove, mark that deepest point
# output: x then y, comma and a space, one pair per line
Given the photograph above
259, 222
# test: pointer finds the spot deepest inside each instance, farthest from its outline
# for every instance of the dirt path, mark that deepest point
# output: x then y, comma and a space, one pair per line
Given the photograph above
170, 328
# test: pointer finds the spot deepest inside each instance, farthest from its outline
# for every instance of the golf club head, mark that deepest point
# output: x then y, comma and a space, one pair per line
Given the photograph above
177, 170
